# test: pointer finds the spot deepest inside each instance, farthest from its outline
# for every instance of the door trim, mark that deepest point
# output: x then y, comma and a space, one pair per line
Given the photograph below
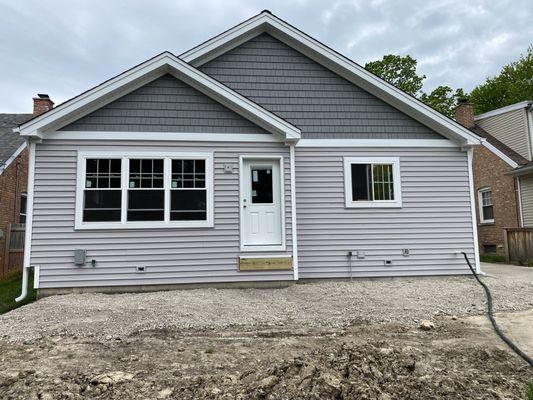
242, 182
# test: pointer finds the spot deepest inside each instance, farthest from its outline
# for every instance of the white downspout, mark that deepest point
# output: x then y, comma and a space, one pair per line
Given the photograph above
519, 195
29, 222
470, 157
293, 213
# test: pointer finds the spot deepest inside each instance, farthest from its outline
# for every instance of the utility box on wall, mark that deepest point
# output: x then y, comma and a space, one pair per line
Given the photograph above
80, 257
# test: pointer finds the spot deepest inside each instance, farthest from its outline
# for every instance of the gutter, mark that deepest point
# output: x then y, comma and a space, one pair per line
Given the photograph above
29, 222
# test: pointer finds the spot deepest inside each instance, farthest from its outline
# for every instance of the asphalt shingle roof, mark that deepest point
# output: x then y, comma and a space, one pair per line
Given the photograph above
513, 155
9, 140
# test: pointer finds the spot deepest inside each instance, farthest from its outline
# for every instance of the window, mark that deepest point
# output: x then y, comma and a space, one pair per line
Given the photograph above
102, 194
144, 190
188, 193
486, 207
489, 248
23, 205
262, 190
372, 182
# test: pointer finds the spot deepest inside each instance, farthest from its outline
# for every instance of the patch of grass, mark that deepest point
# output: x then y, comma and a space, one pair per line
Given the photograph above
10, 289
529, 393
492, 258
210, 350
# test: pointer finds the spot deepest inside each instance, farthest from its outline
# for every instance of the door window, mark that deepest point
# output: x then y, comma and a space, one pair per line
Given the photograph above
262, 192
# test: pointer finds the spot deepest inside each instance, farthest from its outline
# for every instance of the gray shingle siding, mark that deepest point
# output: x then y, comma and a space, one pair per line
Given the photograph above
180, 255
308, 95
165, 105
435, 220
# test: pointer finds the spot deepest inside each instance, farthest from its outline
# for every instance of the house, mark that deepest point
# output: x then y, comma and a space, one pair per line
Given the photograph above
503, 173
13, 180
259, 157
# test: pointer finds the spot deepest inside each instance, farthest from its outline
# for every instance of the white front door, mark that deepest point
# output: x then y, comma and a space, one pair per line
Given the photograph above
261, 203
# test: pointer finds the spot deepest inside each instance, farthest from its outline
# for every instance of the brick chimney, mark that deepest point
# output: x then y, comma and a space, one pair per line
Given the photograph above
464, 113
42, 104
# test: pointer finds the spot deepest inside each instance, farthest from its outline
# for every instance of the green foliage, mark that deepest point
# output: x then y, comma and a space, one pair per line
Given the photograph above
443, 99
399, 71
512, 85
492, 258
10, 289
210, 350
529, 393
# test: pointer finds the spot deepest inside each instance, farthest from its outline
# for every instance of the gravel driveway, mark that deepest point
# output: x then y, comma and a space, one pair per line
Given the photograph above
325, 304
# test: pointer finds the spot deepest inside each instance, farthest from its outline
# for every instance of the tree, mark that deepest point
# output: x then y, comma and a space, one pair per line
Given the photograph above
443, 99
399, 71
512, 85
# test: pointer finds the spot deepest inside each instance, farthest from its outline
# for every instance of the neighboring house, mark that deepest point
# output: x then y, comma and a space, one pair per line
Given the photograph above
13, 181
259, 156
503, 172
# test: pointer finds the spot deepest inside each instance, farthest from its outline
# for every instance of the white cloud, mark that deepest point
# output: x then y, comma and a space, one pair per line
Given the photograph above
64, 47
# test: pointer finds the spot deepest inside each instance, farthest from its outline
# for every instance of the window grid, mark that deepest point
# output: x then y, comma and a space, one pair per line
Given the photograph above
188, 184
103, 173
383, 184
103, 178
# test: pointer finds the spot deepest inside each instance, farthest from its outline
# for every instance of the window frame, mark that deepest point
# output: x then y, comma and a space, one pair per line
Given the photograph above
125, 156
396, 176
480, 192
25, 213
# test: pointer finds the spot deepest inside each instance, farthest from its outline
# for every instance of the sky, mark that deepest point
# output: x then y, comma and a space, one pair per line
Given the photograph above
64, 47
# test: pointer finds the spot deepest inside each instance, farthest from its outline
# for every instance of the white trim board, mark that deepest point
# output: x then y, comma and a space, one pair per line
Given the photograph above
503, 110
165, 63
281, 30
12, 158
375, 143
470, 162
165, 136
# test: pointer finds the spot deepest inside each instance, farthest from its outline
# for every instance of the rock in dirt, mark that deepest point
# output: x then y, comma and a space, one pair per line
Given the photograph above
426, 325
110, 378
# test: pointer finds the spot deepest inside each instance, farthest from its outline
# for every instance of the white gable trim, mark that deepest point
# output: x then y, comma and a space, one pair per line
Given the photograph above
266, 22
144, 73
503, 110
498, 153
13, 157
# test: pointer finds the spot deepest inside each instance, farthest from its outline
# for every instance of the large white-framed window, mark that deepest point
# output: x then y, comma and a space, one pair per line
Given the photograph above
372, 182
133, 189
486, 205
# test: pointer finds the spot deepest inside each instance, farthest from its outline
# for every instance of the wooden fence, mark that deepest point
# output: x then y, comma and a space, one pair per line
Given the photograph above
14, 250
518, 244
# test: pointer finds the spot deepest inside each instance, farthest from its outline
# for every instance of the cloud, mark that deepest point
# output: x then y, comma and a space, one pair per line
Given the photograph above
64, 47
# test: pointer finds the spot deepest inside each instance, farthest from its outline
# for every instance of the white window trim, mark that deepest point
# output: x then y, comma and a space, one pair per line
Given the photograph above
396, 176
125, 156
480, 192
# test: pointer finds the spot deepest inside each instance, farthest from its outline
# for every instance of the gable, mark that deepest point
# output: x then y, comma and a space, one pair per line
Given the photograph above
310, 96
165, 104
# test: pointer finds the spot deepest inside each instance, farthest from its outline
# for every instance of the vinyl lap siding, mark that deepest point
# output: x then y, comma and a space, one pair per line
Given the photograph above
526, 189
511, 129
165, 105
310, 96
170, 255
434, 221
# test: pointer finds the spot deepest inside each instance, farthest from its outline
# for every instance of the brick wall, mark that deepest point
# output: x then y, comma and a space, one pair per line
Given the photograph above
489, 170
9, 198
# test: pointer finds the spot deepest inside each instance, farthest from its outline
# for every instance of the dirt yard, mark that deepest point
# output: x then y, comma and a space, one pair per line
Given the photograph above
286, 358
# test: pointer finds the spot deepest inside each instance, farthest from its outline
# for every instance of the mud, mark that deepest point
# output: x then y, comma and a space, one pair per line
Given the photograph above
459, 359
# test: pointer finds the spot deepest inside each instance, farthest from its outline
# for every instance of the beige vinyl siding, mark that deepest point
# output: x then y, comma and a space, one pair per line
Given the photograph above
526, 189
511, 129
176, 255
434, 223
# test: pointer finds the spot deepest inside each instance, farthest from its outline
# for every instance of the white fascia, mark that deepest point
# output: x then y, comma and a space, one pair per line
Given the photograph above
266, 22
498, 153
144, 73
13, 157
503, 110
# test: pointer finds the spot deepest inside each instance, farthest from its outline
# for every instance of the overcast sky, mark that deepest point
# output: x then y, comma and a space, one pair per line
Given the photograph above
65, 47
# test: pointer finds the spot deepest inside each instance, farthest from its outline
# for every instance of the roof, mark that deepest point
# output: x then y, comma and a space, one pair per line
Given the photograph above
502, 110
266, 22
164, 63
503, 151
10, 142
